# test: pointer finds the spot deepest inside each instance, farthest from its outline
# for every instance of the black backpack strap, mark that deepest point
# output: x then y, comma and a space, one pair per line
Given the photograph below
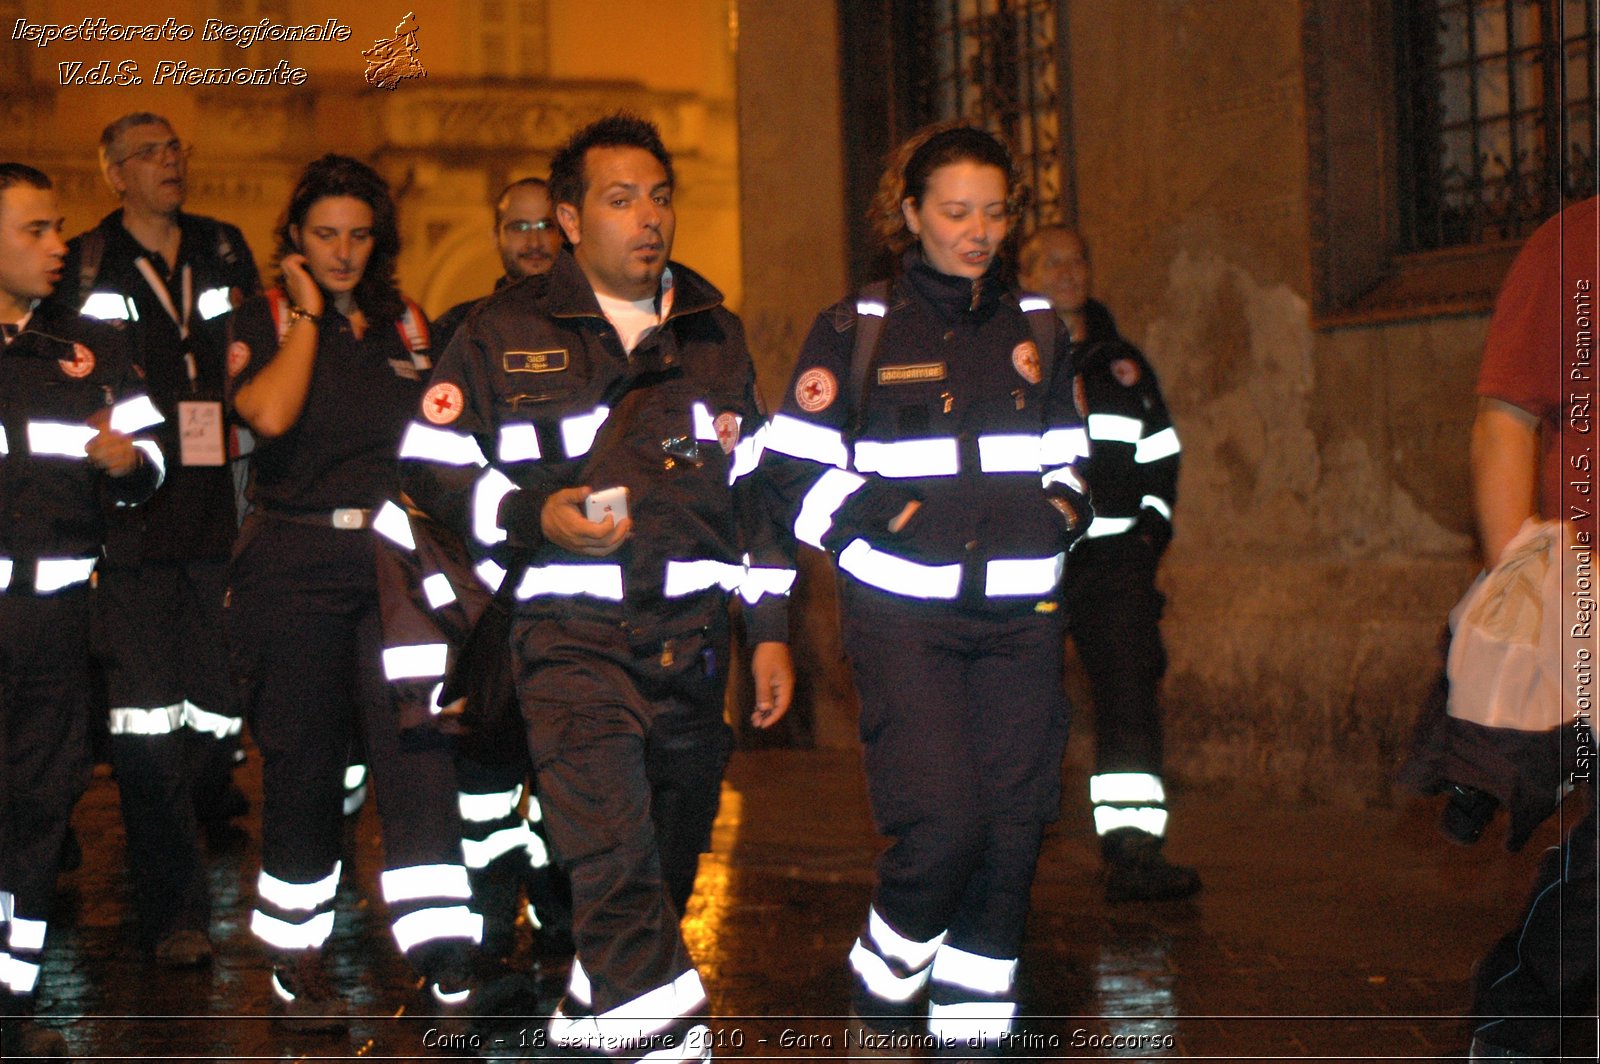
872, 305
91, 249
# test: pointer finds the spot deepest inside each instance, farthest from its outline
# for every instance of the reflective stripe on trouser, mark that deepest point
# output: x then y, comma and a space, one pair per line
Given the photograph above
428, 905
505, 851
294, 916
665, 1023
1128, 800
971, 997
890, 972
304, 626
44, 765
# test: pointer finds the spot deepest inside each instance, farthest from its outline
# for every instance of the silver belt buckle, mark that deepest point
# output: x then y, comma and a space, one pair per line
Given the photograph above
349, 517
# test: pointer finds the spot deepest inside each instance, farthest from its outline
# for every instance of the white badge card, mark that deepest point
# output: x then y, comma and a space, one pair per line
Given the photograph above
200, 438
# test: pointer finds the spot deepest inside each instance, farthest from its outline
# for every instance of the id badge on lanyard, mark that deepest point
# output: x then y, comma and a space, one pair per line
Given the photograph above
201, 441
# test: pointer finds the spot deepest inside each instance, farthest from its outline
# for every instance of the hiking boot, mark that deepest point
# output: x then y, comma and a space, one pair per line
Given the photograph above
306, 998
1136, 870
185, 948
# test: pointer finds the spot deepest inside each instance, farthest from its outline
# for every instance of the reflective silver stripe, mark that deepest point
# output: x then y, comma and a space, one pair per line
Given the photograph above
153, 455
18, 975
109, 306
601, 581
1126, 787
1060, 446
59, 439
538, 855
969, 1023
429, 444
285, 935
160, 720
908, 458
747, 454
428, 925
1027, 303
354, 799
1150, 819
487, 494
6, 565
579, 988
486, 808
1009, 454
354, 776
1109, 526
298, 896
802, 439
5, 447
971, 971
872, 307
903, 577
1022, 576
1068, 476
1115, 428
53, 574
392, 523
705, 426
822, 502
133, 415
479, 853
1156, 503
490, 573
433, 699
685, 578
893, 944
759, 581
209, 723
425, 881
438, 590
629, 1024
1163, 444
424, 661
213, 303
27, 934
578, 432
880, 978
519, 442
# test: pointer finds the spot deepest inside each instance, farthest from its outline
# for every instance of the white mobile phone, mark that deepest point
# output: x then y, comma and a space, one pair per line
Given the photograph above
613, 501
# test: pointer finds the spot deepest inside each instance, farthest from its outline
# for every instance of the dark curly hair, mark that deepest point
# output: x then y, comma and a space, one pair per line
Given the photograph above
376, 293
569, 182
909, 166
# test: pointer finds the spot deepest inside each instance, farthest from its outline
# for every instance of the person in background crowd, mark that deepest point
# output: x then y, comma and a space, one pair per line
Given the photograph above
928, 442
621, 382
1533, 457
1113, 607
170, 279
527, 237
70, 404
326, 369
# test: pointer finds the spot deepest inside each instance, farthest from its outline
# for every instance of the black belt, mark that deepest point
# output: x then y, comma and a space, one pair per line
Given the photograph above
345, 518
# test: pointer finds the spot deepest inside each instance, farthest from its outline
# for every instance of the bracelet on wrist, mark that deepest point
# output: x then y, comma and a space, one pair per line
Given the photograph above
299, 313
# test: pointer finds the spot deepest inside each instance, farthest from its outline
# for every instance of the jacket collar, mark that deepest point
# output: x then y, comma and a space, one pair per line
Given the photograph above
571, 296
952, 295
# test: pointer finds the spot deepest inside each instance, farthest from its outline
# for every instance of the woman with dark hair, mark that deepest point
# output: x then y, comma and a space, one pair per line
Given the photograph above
325, 369
927, 442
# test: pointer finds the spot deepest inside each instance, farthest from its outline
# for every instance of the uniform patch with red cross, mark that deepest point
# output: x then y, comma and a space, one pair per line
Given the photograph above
1127, 372
727, 426
815, 390
81, 364
443, 403
1025, 359
238, 357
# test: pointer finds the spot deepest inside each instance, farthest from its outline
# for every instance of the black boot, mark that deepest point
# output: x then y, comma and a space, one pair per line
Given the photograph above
1136, 870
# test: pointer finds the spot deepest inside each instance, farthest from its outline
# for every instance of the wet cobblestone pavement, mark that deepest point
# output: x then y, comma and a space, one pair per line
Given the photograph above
1321, 934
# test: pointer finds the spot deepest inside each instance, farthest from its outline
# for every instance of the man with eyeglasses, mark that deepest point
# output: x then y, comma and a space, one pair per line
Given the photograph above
168, 279
526, 236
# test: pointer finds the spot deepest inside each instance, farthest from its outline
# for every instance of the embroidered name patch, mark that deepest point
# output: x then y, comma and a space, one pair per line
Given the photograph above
81, 364
912, 374
553, 361
443, 403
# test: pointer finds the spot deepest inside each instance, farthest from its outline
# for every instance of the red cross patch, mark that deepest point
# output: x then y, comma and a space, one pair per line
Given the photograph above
81, 364
727, 426
1025, 360
815, 390
1127, 372
238, 357
443, 403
